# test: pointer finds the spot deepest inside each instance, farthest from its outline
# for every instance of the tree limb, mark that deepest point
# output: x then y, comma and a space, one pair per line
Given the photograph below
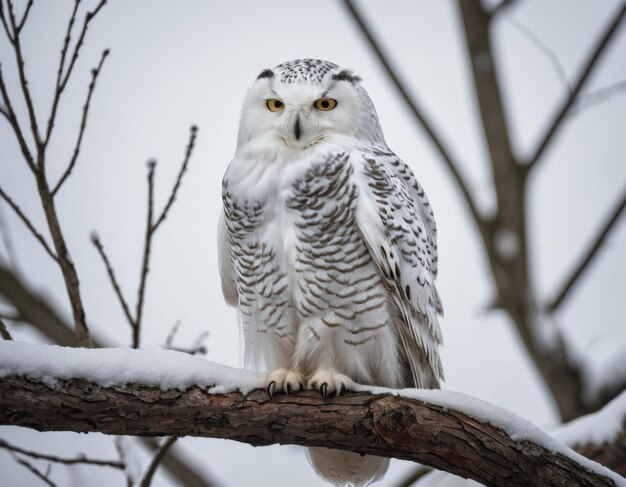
382, 424
417, 112
584, 75
588, 257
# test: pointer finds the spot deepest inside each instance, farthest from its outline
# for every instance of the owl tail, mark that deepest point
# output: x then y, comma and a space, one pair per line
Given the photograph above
344, 468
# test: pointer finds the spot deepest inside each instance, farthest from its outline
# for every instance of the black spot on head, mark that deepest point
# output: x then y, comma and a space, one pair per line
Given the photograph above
345, 75
408, 292
266, 73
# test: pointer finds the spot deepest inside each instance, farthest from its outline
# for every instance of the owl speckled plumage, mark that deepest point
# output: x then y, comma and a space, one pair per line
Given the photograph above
328, 247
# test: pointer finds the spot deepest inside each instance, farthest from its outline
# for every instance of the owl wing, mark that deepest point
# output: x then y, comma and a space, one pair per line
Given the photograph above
225, 264
397, 223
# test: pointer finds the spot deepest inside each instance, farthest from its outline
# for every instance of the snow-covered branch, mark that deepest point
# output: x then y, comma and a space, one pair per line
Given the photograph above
160, 392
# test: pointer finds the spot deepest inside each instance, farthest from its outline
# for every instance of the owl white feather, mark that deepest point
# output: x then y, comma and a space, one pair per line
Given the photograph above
328, 248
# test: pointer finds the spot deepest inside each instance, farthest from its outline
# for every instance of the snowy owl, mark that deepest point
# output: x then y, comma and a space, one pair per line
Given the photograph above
328, 248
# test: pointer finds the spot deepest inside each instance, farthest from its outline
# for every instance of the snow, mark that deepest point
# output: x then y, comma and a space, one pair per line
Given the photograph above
170, 369
166, 369
129, 452
597, 428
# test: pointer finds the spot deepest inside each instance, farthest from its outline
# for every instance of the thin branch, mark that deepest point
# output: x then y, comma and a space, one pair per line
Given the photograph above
584, 75
7, 241
28, 224
29, 466
89, 16
414, 476
83, 123
4, 23
145, 268
154, 464
417, 111
10, 115
550, 54
596, 97
503, 5
19, 59
53, 458
4, 332
588, 257
116, 287
179, 178
20, 25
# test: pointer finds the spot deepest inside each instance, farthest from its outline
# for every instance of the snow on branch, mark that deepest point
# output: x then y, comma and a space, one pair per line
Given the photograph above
163, 392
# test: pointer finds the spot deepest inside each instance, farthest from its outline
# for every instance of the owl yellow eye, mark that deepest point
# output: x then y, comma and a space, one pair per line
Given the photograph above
275, 105
325, 104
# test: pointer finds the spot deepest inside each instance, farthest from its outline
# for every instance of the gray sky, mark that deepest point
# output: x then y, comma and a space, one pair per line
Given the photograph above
174, 64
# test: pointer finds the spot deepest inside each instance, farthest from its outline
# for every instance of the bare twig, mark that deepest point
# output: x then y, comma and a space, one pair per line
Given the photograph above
83, 123
4, 23
7, 241
179, 178
11, 117
417, 112
550, 54
4, 332
154, 464
584, 75
414, 476
28, 224
19, 59
58, 90
596, 97
34, 470
53, 458
116, 287
588, 257
25, 16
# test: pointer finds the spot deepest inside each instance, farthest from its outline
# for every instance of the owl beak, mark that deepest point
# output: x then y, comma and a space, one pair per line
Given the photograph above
297, 130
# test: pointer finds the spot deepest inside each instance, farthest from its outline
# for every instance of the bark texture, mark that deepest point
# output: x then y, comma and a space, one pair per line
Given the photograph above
383, 425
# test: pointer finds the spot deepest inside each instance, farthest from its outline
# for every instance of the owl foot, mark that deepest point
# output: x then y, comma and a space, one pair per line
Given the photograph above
328, 382
286, 380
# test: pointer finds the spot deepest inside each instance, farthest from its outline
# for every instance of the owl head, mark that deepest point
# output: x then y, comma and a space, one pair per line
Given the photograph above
303, 104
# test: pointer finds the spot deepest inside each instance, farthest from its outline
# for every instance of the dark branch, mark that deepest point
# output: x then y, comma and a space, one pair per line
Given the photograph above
413, 476
179, 178
58, 90
584, 75
20, 26
11, 117
83, 123
19, 59
596, 97
417, 111
53, 458
34, 470
4, 332
384, 425
154, 464
588, 257
28, 224
116, 287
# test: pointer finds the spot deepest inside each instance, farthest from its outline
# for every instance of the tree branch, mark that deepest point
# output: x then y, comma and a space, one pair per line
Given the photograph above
154, 464
584, 75
4, 332
383, 424
35, 471
417, 112
83, 123
38, 236
588, 257
53, 458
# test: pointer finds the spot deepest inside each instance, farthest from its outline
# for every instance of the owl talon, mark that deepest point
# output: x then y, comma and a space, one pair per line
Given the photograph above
270, 389
324, 389
287, 388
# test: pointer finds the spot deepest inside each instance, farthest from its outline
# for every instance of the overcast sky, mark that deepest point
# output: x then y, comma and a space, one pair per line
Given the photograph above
174, 64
